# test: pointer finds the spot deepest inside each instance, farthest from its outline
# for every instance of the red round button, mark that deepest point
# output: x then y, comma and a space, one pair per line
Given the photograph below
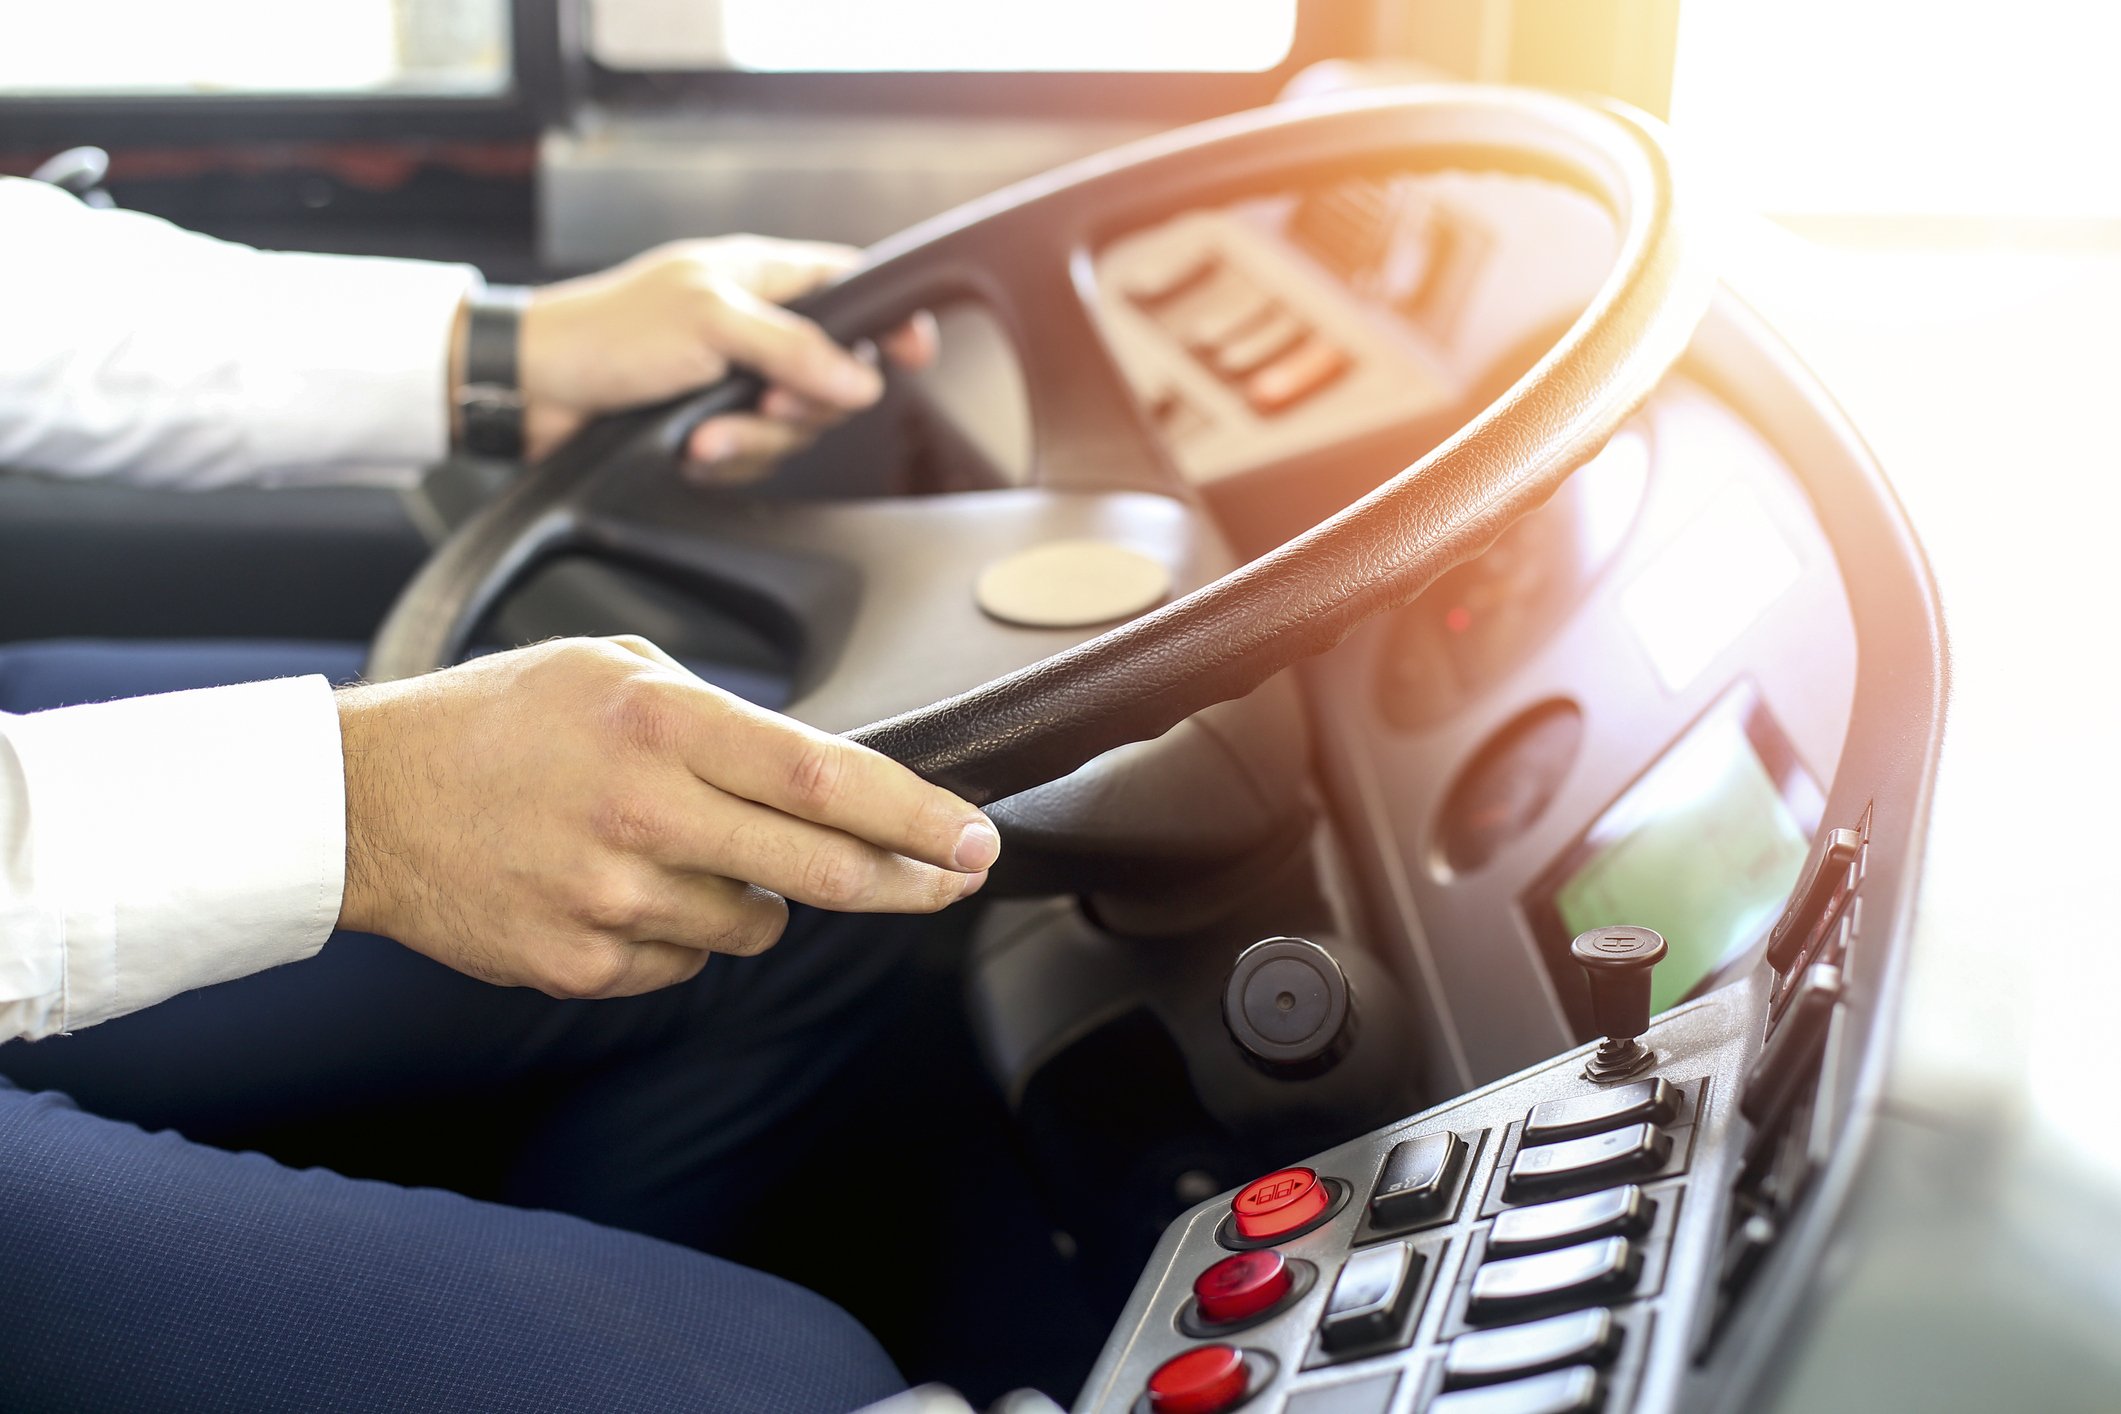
1240, 1287
1278, 1204
1206, 1380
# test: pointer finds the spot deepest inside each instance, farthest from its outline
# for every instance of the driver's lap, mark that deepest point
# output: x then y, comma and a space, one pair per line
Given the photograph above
373, 1061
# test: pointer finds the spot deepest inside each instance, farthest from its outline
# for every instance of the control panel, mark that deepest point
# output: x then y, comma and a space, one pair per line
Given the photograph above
1573, 1238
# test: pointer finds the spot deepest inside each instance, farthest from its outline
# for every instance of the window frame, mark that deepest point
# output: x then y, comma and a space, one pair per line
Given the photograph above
535, 92
552, 78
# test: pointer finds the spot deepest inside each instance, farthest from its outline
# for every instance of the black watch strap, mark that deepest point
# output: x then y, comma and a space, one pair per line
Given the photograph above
490, 404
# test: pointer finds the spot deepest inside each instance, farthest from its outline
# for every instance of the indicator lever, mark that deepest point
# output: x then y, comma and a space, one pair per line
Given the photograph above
1617, 963
1808, 905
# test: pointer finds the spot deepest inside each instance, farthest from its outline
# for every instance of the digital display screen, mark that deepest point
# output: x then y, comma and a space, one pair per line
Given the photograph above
1704, 847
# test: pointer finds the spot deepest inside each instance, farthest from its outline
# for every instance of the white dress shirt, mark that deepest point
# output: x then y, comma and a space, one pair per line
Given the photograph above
159, 844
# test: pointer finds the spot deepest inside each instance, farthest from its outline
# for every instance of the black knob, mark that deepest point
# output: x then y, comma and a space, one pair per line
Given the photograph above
1617, 962
1287, 1006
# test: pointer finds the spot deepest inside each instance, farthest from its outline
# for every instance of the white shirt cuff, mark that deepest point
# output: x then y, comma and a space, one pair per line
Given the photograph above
185, 839
360, 347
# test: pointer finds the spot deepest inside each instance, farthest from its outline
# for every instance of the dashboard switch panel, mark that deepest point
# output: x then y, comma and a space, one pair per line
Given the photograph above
1588, 1337
1590, 1271
1808, 905
1615, 1212
1572, 1391
1294, 376
1365, 1396
1652, 1101
1548, 1170
1418, 1182
1371, 1300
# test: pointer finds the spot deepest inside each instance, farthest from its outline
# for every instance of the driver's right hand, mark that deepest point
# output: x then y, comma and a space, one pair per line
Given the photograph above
589, 818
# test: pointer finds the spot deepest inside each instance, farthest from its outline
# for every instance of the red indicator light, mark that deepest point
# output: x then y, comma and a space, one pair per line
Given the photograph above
1240, 1287
1206, 1380
1278, 1204
1458, 618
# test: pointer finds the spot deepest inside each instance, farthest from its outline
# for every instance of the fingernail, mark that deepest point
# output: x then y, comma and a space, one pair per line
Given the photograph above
711, 443
970, 885
978, 847
857, 383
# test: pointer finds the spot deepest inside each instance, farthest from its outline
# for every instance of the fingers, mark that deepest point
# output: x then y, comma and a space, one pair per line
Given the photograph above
748, 754
784, 270
659, 934
787, 349
914, 344
709, 913
740, 437
807, 862
788, 406
739, 446
629, 969
797, 770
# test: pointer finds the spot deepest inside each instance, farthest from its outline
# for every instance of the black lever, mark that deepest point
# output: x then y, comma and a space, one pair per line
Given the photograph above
1617, 961
1808, 905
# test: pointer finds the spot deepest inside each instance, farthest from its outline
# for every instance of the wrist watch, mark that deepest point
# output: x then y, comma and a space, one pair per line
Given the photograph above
490, 400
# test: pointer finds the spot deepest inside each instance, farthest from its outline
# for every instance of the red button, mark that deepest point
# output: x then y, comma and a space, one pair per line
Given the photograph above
1278, 1204
1240, 1287
1202, 1381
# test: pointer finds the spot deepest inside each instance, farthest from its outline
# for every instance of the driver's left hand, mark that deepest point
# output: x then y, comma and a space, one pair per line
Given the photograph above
677, 318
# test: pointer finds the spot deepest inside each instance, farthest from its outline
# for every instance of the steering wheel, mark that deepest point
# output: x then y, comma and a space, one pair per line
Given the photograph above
880, 591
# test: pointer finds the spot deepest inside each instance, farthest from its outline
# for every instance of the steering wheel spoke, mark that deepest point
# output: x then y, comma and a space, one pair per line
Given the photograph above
1087, 428
879, 597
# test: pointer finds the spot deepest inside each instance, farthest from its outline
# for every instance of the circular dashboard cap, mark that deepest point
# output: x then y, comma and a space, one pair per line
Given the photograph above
1239, 1287
1071, 584
1279, 1204
1204, 1380
1287, 1005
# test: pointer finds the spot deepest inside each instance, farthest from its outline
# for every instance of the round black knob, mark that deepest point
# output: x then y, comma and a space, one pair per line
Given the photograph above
1617, 963
1287, 1006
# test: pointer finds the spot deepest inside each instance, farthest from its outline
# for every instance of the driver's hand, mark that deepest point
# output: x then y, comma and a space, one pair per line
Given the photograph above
588, 818
675, 319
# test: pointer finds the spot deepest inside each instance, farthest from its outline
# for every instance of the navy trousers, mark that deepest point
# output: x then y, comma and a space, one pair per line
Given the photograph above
147, 1262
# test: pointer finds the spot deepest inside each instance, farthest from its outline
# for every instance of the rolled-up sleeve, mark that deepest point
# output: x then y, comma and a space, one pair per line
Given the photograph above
157, 844
133, 349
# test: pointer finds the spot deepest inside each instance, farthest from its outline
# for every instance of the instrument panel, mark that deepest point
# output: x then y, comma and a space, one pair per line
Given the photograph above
1644, 704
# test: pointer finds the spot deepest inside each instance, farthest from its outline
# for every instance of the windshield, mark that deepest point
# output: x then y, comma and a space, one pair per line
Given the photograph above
774, 36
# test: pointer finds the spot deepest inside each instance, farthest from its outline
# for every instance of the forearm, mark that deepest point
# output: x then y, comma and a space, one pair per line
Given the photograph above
155, 845
142, 352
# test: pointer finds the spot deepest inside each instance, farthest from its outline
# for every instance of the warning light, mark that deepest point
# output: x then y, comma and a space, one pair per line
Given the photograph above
1280, 1204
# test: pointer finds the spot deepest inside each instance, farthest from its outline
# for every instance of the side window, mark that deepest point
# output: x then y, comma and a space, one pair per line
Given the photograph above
223, 48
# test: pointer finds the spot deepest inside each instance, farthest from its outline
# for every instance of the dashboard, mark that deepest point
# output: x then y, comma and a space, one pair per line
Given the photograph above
1696, 692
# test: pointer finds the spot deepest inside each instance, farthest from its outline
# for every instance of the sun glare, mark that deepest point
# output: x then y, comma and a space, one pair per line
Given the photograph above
1906, 107
1198, 35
